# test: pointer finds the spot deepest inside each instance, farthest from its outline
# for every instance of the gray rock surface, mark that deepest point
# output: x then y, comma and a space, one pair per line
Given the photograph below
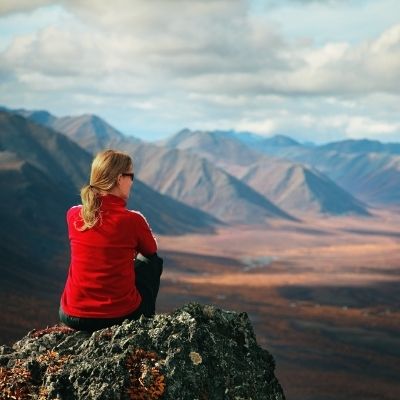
197, 352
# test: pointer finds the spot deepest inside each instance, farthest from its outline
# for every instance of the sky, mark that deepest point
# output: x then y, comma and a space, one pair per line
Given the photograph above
315, 70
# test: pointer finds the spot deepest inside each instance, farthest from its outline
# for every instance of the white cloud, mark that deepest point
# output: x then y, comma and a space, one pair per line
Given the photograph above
359, 127
210, 47
210, 62
21, 6
263, 127
341, 68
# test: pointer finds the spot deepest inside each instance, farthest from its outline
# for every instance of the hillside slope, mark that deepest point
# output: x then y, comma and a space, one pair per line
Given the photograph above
185, 178
291, 186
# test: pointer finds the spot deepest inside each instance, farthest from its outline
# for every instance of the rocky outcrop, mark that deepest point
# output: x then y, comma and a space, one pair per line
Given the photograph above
197, 352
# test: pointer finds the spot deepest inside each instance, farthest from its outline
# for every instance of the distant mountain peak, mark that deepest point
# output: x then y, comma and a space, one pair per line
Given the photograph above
88, 130
41, 117
88, 118
184, 131
91, 118
42, 113
362, 146
281, 141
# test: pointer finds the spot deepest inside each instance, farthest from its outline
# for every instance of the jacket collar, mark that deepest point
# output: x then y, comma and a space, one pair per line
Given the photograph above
112, 201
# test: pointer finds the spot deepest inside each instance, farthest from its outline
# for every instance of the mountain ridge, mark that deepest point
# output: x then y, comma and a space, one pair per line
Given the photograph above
245, 205
202, 185
68, 166
268, 175
317, 156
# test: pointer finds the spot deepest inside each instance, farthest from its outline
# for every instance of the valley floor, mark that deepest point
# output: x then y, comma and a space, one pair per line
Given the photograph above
322, 297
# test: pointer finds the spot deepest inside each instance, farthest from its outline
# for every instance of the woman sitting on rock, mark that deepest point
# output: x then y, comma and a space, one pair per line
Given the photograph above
114, 272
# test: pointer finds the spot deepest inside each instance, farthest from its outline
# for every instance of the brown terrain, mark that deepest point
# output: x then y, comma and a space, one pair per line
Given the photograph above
323, 297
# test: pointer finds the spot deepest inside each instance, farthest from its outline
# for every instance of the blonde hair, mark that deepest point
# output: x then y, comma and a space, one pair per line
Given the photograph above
106, 167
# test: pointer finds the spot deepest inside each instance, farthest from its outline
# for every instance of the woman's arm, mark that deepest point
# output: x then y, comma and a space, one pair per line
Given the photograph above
147, 244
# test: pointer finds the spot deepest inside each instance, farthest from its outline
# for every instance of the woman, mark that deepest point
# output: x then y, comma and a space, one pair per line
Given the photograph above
105, 285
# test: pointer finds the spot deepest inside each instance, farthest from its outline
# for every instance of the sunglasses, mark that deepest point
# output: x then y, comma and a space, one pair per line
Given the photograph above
130, 174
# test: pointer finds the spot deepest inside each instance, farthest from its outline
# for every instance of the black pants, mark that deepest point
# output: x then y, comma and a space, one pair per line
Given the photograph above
148, 272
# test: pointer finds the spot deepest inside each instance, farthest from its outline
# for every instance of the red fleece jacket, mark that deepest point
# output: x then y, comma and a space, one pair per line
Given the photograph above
101, 278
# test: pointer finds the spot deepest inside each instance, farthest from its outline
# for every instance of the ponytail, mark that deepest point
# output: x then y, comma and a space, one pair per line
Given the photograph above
90, 207
104, 173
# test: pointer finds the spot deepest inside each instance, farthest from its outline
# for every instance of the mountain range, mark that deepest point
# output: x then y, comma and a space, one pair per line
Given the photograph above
367, 169
189, 179
194, 181
91, 132
371, 176
294, 187
192, 166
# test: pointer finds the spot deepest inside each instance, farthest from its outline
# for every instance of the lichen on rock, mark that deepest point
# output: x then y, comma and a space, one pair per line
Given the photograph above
196, 352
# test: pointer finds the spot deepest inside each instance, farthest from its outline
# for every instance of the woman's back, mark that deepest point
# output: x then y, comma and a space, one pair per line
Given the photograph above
104, 286
101, 281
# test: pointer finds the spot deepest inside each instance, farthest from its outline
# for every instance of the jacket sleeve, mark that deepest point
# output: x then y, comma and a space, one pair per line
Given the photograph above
147, 244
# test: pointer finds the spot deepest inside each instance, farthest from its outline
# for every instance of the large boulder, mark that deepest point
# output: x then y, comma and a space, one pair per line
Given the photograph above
196, 352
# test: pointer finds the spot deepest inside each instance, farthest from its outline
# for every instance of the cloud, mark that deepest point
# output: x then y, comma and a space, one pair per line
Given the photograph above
360, 126
318, 127
143, 46
369, 67
21, 6
211, 62
318, 1
210, 47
